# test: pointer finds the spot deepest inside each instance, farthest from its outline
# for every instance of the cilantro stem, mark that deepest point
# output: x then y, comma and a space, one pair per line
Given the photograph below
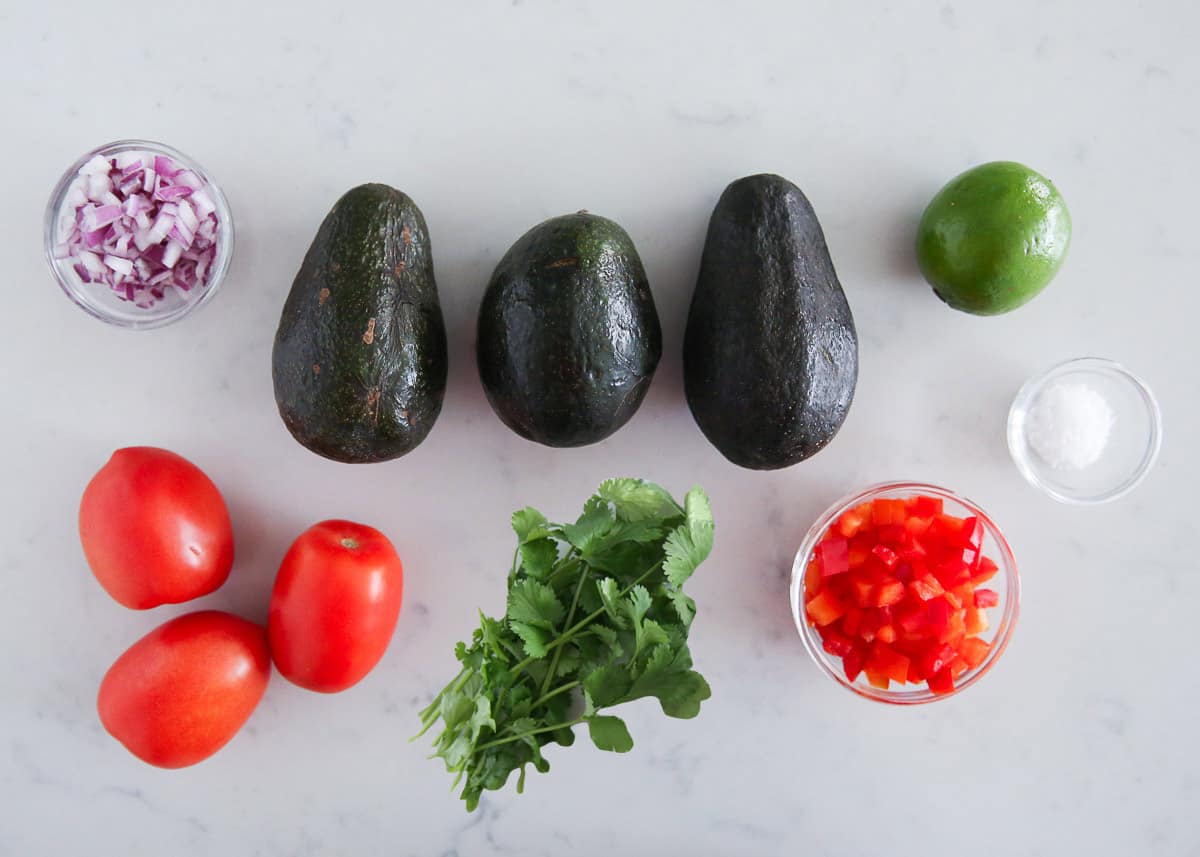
565, 636
560, 689
570, 615
498, 741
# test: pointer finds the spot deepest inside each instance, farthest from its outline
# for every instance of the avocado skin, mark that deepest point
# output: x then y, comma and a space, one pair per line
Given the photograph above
359, 362
770, 354
568, 336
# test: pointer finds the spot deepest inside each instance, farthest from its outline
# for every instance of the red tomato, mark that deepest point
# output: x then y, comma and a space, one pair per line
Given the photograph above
155, 529
182, 691
334, 606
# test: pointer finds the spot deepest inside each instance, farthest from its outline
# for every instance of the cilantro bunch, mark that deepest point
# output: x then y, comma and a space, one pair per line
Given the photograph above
596, 617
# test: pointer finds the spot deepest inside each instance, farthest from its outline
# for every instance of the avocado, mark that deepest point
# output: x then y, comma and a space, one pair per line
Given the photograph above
568, 335
359, 362
770, 355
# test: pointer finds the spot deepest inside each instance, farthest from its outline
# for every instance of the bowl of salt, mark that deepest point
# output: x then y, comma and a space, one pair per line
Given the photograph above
1086, 431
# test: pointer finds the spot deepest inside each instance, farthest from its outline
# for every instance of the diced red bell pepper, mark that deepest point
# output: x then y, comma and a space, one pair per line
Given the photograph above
924, 506
935, 658
914, 673
926, 587
891, 534
812, 577
834, 556
888, 593
941, 682
885, 512
937, 614
985, 569
852, 663
851, 621
955, 629
958, 666
972, 533
878, 679
951, 596
886, 555
973, 651
975, 621
825, 609
987, 598
911, 618
838, 645
952, 572
860, 549
886, 634
886, 660
903, 572
863, 591
917, 527
854, 520
965, 592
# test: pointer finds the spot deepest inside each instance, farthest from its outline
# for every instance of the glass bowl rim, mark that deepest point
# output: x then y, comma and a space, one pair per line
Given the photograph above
1097, 365
224, 225
917, 696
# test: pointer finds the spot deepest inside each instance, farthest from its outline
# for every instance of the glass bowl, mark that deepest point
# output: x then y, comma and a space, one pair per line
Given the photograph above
100, 301
1003, 617
1132, 446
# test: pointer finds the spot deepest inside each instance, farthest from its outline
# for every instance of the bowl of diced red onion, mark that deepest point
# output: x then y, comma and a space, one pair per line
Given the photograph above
138, 234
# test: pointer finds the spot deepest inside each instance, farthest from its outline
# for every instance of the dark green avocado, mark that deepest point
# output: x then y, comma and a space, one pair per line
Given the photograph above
359, 362
770, 355
568, 335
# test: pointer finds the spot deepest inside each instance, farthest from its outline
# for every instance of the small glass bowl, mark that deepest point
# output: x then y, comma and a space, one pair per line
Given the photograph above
1006, 583
1132, 446
100, 301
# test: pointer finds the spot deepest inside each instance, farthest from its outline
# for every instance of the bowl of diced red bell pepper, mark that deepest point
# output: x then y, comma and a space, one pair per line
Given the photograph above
905, 592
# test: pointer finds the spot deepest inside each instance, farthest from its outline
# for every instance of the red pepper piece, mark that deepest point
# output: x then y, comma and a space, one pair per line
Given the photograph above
958, 666
911, 618
955, 630
851, 621
825, 609
891, 534
886, 660
937, 615
886, 634
886, 555
852, 663
926, 588
885, 512
838, 645
935, 659
925, 506
953, 598
987, 598
878, 679
942, 682
860, 549
888, 593
973, 651
853, 521
951, 572
812, 578
975, 620
984, 571
834, 556
972, 533
903, 572
862, 592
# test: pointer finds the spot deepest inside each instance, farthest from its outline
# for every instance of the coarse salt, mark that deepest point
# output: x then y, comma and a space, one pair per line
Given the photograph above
1069, 424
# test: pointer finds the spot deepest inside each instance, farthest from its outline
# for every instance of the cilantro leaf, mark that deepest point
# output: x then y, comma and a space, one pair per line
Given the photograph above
589, 528
689, 544
534, 638
609, 733
538, 557
638, 500
534, 603
610, 596
529, 524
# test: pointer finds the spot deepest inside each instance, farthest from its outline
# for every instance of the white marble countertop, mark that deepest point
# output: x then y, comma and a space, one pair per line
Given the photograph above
494, 116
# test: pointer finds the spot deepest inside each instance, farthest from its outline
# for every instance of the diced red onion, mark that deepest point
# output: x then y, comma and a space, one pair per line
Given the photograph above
139, 224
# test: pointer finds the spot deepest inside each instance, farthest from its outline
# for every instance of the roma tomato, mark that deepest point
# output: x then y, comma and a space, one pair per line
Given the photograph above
182, 691
334, 606
155, 529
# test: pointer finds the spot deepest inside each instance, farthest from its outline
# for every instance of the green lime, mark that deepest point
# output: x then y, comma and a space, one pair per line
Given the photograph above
993, 238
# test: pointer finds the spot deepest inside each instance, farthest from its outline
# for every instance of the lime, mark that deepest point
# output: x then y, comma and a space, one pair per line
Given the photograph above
993, 238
